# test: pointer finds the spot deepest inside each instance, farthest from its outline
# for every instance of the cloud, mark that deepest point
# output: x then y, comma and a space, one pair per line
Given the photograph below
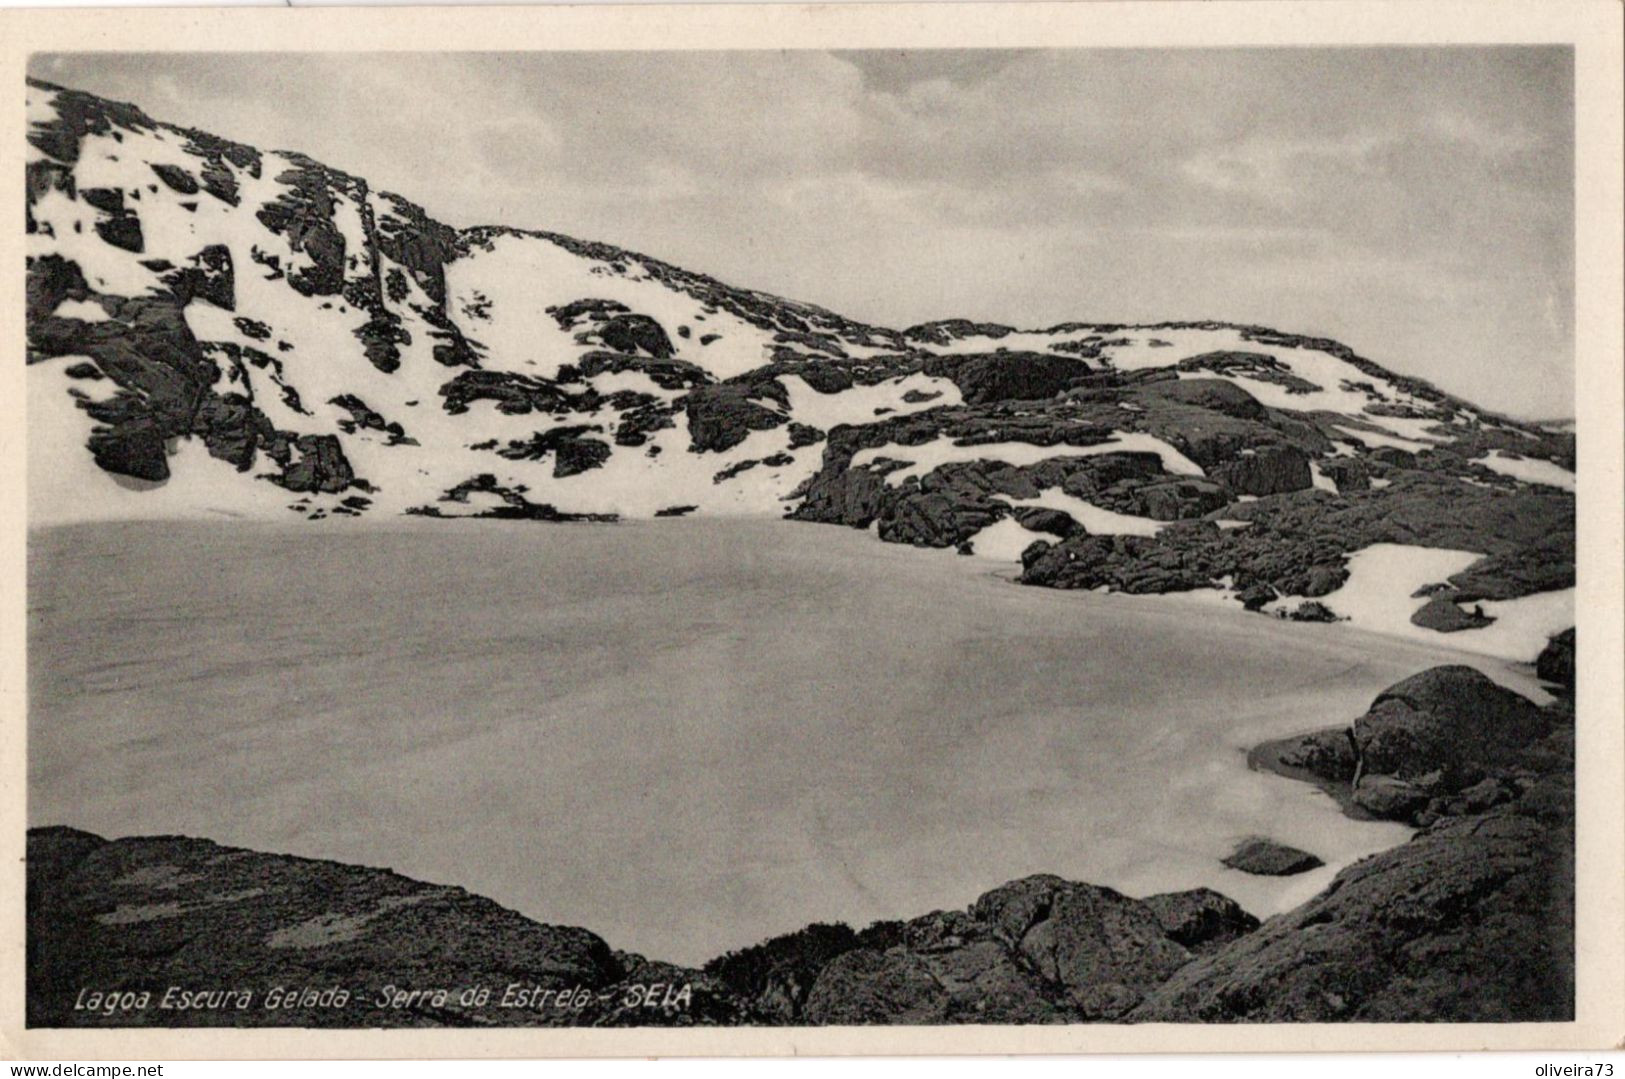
1275, 169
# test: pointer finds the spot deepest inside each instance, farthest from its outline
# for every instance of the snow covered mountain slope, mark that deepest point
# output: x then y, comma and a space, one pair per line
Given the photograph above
214, 329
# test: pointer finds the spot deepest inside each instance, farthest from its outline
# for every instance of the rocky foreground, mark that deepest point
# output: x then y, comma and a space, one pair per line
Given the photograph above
1472, 920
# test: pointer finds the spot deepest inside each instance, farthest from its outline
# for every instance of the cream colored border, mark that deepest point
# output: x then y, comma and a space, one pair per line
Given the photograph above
1593, 27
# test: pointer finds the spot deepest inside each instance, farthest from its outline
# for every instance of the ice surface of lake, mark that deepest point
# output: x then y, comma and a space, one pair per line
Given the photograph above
684, 735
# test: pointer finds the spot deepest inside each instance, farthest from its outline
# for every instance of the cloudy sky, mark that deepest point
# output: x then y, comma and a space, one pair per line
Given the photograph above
1415, 203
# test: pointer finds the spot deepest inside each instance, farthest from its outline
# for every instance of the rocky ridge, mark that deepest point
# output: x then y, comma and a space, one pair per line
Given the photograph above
213, 328
1469, 921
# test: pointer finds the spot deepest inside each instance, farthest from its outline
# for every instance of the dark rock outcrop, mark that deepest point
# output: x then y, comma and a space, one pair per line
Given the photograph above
514, 394
1346, 473
1101, 948
573, 453
167, 385
1556, 661
315, 463
866, 986
514, 505
984, 378
723, 415
1388, 798
636, 333
1311, 611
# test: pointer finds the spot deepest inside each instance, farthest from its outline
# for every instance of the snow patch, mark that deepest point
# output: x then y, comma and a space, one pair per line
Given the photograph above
1528, 469
1378, 593
1004, 540
83, 310
929, 456
1095, 519
858, 405
1376, 438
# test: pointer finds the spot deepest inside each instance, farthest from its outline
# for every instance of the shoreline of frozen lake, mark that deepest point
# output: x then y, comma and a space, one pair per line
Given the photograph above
685, 735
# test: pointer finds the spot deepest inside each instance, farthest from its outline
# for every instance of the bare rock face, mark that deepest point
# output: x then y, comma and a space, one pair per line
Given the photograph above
1347, 474
1181, 499
940, 518
1266, 857
1387, 798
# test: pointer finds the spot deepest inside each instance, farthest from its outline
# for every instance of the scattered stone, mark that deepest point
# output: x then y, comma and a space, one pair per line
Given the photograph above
1446, 616
1312, 611
1267, 858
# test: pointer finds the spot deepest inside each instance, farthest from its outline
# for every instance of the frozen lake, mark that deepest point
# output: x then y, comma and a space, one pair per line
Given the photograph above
684, 735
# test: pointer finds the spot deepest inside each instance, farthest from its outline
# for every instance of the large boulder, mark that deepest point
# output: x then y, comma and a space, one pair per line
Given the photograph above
1041, 519
1452, 719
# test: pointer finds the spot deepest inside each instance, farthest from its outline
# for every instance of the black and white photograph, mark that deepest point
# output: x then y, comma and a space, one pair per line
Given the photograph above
802, 537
